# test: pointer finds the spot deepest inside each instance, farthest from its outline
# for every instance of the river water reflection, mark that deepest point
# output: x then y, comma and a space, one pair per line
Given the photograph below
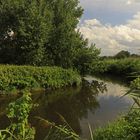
96, 102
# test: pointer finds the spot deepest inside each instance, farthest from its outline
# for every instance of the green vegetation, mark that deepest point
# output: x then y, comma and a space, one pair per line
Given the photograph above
135, 91
21, 77
20, 129
18, 113
127, 128
123, 67
122, 54
43, 33
59, 132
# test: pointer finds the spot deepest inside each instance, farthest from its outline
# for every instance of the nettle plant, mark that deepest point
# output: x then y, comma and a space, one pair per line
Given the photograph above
18, 113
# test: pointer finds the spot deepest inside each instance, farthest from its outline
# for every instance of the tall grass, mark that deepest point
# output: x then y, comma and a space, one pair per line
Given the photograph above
134, 91
126, 128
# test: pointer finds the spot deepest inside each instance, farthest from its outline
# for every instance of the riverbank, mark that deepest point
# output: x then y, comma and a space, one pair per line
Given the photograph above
21, 77
76, 104
126, 128
126, 68
28, 77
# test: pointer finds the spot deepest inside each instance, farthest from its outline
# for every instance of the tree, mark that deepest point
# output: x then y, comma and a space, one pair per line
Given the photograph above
30, 24
122, 54
65, 41
43, 32
85, 59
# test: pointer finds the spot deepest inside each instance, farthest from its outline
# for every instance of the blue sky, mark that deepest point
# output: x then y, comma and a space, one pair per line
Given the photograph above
113, 25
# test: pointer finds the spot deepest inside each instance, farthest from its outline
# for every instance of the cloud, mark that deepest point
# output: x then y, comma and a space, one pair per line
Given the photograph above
112, 11
135, 22
129, 2
112, 39
117, 5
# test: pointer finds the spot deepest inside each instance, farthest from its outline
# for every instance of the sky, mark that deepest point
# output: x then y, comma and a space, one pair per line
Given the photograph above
113, 25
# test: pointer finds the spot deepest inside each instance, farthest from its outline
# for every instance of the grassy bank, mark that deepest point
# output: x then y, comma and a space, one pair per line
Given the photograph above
21, 77
122, 67
126, 128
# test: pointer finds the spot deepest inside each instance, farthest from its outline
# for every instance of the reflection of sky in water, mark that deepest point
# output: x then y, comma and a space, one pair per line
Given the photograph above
111, 106
80, 106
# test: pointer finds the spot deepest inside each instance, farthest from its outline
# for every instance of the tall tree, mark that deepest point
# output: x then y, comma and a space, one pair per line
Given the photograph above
65, 40
122, 54
43, 32
25, 27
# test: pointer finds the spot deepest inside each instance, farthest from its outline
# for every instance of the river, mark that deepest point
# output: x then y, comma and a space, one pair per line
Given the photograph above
97, 102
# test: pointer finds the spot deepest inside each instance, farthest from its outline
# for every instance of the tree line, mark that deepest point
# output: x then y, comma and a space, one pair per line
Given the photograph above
122, 54
43, 32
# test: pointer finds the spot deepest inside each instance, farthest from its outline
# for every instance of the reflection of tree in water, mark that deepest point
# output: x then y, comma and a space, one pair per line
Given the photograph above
72, 103
113, 79
4, 101
95, 86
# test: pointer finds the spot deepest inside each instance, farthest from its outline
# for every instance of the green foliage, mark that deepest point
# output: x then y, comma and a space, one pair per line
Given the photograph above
123, 67
42, 33
25, 26
18, 113
21, 77
127, 128
65, 41
122, 54
85, 59
135, 84
59, 132
20, 129
135, 91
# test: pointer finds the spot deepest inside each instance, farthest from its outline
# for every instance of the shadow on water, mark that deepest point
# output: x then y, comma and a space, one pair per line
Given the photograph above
113, 79
97, 102
72, 103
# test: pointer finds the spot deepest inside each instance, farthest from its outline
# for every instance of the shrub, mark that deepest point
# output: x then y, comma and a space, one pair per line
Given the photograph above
123, 67
21, 77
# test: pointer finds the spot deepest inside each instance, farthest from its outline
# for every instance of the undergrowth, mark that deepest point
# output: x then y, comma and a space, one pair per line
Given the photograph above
21, 77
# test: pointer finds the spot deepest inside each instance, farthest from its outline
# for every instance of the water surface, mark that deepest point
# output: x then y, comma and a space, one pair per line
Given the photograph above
97, 102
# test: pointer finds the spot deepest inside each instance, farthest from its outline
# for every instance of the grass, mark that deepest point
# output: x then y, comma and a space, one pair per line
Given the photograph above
21, 77
126, 128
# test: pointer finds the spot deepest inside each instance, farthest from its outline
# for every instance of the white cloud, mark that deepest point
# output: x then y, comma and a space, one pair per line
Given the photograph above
135, 22
112, 5
112, 39
93, 22
129, 2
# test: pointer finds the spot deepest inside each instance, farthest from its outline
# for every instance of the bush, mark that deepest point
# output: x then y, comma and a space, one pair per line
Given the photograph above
21, 77
123, 67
